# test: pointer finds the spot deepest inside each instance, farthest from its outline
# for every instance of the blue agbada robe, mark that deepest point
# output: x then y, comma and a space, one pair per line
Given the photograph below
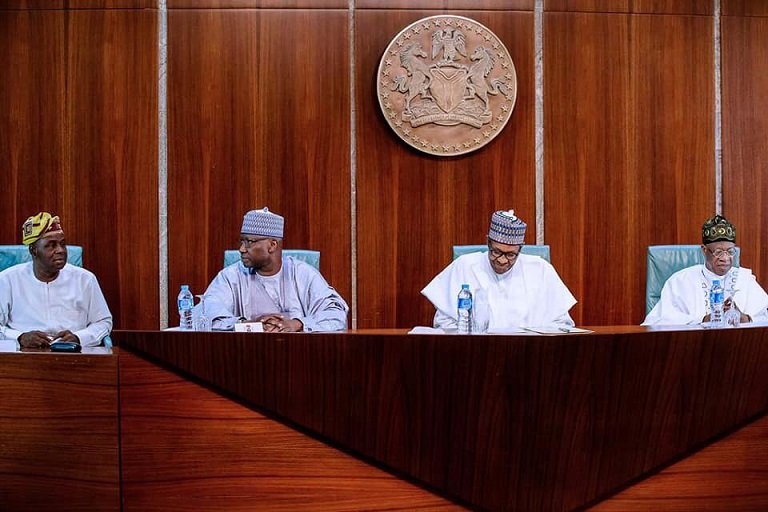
303, 294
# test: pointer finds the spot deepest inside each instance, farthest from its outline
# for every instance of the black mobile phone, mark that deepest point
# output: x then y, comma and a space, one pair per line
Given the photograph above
65, 346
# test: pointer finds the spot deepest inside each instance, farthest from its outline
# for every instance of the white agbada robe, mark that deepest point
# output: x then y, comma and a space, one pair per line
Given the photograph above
530, 294
73, 301
684, 298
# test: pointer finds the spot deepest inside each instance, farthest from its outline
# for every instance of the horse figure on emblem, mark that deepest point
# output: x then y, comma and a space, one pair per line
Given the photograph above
483, 61
417, 81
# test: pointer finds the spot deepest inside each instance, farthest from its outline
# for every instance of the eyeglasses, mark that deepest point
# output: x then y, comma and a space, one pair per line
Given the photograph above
248, 242
718, 253
496, 254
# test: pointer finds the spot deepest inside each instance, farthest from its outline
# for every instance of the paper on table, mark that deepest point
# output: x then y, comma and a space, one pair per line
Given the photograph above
552, 329
249, 327
419, 329
506, 330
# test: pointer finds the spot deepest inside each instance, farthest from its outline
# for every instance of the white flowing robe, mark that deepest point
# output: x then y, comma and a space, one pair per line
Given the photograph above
73, 301
685, 296
301, 293
530, 294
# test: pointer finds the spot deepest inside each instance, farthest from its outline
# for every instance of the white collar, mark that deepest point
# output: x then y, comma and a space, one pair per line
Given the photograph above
496, 276
711, 276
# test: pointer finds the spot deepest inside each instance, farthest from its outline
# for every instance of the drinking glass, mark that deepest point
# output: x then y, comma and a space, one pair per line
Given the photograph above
200, 320
481, 312
732, 317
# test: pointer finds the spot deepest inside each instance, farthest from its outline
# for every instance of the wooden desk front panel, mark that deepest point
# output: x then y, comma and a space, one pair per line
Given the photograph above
728, 476
187, 448
518, 422
58, 433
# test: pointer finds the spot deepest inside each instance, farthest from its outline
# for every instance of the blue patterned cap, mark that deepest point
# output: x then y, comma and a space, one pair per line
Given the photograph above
262, 223
506, 228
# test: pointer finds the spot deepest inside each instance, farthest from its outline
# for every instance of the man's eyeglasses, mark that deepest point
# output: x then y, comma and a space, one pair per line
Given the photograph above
718, 253
496, 254
248, 242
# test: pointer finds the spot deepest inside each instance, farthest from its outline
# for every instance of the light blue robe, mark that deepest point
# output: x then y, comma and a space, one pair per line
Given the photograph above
304, 294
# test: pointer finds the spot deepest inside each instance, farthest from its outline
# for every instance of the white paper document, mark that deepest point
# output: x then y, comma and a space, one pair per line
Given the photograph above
420, 329
555, 329
507, 330
249, 327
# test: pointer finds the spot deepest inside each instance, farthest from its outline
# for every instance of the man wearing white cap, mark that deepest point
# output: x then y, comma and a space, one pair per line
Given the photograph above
285, 294
516, 290
47, 298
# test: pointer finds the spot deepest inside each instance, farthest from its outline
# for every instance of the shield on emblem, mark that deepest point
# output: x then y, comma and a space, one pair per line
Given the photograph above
447, 87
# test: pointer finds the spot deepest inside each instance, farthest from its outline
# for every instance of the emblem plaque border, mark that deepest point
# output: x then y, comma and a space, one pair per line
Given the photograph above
394, 78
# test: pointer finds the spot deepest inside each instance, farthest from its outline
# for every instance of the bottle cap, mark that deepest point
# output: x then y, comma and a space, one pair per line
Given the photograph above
185, 287
465, 287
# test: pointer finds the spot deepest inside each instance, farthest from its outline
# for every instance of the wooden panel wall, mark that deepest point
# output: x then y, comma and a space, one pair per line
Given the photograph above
744, 7
629, 158
507, 5
632, 6
59, 433
186, 448
79, 4
412, 207
78, 137
32, 118
263, 4
745, 153
258, 116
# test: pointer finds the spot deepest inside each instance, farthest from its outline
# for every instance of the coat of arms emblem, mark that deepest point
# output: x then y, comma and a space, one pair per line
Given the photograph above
446, 85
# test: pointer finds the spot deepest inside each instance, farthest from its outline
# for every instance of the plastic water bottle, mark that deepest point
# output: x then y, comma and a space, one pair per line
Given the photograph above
464, 310
716, 300
185, 302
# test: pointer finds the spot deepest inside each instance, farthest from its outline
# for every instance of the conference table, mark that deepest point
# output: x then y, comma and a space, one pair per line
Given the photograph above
385, 420
59, 430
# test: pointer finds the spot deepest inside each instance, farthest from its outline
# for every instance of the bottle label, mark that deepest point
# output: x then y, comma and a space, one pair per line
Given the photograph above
465, 303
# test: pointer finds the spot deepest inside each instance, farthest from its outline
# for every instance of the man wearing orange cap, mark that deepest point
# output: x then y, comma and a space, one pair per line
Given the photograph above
47, 298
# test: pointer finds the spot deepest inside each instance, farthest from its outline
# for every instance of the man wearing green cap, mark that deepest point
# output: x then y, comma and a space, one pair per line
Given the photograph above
685, 296
47, 298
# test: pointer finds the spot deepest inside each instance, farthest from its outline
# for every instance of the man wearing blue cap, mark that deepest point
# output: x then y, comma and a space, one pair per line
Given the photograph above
285, 294
513, 290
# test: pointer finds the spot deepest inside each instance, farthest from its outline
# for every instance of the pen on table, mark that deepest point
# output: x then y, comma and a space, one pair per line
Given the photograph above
564, 329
